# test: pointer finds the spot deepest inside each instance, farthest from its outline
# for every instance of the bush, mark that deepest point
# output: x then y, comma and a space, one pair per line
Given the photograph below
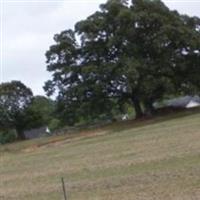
54, 124
8, 136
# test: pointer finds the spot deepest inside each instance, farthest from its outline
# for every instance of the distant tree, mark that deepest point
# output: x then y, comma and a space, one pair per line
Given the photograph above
15, 98
20, 110
42, 112
44, 108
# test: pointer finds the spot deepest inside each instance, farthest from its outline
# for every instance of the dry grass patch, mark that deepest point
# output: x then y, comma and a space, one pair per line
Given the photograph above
158, 161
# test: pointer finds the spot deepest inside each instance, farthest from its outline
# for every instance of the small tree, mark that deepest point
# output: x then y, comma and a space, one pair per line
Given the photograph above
15, 98
43, 107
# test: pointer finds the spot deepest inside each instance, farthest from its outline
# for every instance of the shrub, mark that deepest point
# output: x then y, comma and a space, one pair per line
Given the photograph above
54, 124
8, 136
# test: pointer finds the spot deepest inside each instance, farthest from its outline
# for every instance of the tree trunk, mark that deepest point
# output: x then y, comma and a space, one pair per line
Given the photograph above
137, 106
20, 134
149, 109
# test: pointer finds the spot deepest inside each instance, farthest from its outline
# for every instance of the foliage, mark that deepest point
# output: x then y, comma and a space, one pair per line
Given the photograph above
139, 52
54, 124
20, 110
7, 136
15, 98
41, 111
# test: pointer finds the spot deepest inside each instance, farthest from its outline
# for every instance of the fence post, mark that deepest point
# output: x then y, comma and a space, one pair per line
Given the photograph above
64, 190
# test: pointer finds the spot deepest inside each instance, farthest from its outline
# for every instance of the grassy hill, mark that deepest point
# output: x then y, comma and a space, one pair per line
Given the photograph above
154, 160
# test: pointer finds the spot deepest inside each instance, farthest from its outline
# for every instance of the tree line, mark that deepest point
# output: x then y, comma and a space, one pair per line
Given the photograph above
126, 53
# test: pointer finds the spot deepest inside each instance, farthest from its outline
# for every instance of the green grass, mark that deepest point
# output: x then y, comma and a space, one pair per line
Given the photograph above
158, 159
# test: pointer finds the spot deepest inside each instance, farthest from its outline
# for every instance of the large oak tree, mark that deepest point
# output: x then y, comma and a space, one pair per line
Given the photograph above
140, 52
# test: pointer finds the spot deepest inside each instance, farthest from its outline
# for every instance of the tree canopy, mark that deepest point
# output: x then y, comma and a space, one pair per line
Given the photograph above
138, 52
20, 110
15, 98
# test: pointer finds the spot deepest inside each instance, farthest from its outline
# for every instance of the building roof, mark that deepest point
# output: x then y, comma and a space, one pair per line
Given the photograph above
35, 133
182, 102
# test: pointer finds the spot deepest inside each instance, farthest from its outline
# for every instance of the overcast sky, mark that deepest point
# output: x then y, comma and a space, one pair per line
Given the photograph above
28, 27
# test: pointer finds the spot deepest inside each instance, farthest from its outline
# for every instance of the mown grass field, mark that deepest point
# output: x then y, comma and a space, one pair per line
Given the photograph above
159, 160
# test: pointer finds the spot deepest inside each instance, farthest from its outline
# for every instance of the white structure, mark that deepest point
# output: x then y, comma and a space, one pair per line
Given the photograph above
184, 102
47, 130
192, 104
125, 117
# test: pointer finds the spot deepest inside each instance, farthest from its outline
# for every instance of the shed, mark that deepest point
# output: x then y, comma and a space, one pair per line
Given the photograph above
37, 132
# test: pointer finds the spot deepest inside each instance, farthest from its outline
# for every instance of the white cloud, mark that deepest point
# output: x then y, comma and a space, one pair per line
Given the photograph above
28, 31
189, 7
